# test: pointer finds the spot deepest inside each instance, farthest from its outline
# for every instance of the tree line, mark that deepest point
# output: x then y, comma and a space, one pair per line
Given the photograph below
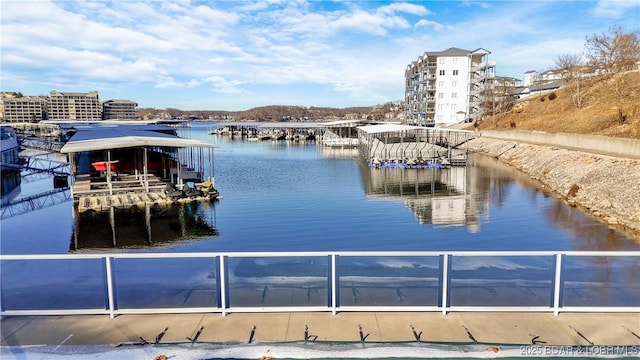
605, 54
273, 113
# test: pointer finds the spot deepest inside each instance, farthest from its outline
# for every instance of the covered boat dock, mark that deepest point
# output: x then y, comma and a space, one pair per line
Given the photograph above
412, 145
130, 165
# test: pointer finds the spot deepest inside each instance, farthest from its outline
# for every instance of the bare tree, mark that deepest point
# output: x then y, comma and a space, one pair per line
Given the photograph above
571, 66
613, 51
497, 98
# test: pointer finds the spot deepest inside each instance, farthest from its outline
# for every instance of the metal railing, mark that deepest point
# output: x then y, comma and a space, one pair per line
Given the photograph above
324, 281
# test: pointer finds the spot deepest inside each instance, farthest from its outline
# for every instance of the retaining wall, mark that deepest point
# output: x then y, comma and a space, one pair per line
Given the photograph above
605, 145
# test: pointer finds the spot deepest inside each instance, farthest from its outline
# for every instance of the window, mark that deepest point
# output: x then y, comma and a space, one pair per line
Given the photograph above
454, 60
441, 72
454, 95
454, 83
441, 60
453, 107
441, 95
440, 83
455, 72
440, 106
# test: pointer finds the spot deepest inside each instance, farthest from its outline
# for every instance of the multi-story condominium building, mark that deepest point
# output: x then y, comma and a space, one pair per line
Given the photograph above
120, 109
74, 106
446, 87
21, 108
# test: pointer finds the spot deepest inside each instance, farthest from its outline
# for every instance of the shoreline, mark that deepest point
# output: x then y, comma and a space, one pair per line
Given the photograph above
605, 186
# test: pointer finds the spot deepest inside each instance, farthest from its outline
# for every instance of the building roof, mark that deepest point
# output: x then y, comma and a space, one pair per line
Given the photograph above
547, 86
93, 94
23, 99
382, 128
117, 137
481, 51
121, 101
453, 51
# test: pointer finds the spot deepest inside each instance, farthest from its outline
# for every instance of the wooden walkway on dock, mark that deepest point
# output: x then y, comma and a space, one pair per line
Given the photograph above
123, 191
118, 184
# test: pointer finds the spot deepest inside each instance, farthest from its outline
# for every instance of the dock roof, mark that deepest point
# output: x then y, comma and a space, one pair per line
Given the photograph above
382, 128
117, 137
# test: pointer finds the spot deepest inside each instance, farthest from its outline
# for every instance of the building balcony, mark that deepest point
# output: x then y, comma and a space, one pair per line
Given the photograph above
475, 91
483, 65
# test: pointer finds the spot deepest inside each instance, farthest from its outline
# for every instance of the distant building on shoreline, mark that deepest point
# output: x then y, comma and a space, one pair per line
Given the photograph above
119, 109
16, 108
73, 106
446, 87
21, 108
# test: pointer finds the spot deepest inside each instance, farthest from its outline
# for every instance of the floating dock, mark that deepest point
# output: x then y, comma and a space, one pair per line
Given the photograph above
130, 190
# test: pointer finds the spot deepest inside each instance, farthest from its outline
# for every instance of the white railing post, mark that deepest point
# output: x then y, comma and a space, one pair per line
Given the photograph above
445, 282
334, 281
556, 288
107, 260
223, 285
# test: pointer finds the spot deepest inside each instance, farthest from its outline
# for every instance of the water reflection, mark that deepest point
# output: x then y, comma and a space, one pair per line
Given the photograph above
443, 197
466, 196
141, 227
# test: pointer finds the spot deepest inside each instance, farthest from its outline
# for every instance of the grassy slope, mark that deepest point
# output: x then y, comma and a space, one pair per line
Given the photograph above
599, 115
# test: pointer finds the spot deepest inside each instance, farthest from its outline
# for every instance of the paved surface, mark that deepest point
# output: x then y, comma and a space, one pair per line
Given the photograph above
498, 328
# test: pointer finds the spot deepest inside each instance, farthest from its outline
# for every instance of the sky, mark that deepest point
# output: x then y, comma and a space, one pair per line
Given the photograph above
236, 55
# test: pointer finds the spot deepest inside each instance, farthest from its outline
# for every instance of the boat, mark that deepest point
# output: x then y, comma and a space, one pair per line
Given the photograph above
11, 162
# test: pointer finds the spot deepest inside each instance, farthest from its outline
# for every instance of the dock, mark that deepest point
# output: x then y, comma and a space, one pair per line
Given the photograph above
127, 191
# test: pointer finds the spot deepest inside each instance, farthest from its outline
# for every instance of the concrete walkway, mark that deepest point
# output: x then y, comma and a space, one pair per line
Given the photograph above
488, 328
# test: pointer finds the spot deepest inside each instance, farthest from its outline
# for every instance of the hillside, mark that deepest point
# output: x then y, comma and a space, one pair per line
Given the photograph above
273, 113
610, 107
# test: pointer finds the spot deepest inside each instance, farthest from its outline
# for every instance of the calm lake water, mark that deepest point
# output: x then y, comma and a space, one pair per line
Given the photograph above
280, 196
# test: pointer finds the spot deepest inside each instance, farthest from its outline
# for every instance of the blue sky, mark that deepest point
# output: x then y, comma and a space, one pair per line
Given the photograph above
235, 55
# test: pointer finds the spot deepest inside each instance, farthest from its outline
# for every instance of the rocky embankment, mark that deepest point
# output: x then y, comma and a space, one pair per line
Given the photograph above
607, 187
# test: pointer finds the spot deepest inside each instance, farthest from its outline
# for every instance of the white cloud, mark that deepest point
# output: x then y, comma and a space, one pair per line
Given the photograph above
428, 23
616, 8
358, 50
224, 86
405, 8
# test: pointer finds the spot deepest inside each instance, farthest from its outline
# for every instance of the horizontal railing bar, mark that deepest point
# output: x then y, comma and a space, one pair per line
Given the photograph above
192, 310
573, 309
489, 308
266, 309
621, 309
55, 312
388, 308
315, 254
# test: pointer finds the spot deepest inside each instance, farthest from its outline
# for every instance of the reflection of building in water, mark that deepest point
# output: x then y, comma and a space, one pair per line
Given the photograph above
140, 227
436, 196
332, 152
